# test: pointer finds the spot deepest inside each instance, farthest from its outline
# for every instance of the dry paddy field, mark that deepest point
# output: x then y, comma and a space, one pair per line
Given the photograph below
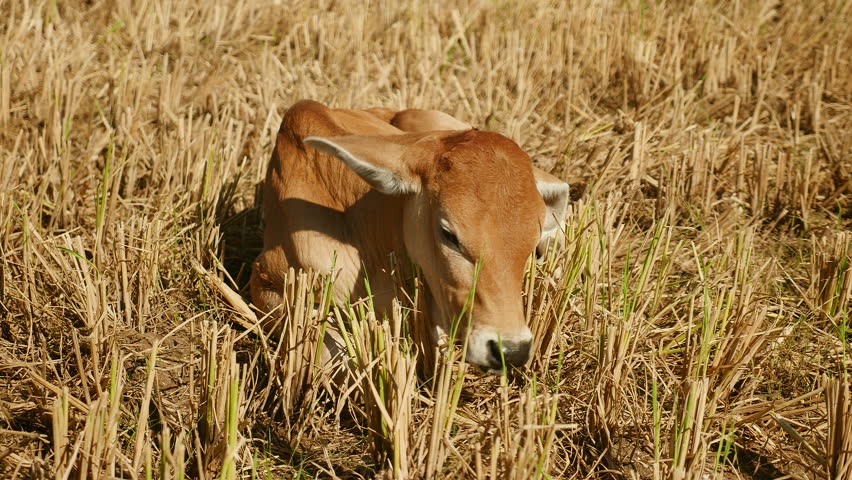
695, 325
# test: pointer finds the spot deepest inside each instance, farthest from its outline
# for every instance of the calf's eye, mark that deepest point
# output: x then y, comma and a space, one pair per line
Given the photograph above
450, 237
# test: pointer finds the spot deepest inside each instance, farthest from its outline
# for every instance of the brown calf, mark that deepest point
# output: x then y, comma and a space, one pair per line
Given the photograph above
362, 185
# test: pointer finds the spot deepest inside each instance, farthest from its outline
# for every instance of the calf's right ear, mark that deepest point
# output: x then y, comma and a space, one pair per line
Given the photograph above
379, 160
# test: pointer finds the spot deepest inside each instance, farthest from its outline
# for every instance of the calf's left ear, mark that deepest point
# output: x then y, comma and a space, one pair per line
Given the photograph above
555, 194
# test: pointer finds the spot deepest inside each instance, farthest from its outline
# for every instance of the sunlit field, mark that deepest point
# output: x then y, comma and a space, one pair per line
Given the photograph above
695, 324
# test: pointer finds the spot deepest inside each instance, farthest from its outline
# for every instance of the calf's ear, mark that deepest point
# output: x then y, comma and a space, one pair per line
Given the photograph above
379, 160
555, 193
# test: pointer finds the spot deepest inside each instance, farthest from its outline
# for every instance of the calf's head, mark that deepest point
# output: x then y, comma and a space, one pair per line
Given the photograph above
475, 209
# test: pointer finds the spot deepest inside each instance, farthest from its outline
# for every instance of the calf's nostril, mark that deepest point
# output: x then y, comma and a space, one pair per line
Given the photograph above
515, 354
518, 354
496, 357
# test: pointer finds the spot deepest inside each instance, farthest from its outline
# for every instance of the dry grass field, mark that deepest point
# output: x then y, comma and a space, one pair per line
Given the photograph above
696, 323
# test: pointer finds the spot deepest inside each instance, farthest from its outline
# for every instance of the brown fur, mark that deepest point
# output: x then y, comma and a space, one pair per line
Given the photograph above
481, 183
